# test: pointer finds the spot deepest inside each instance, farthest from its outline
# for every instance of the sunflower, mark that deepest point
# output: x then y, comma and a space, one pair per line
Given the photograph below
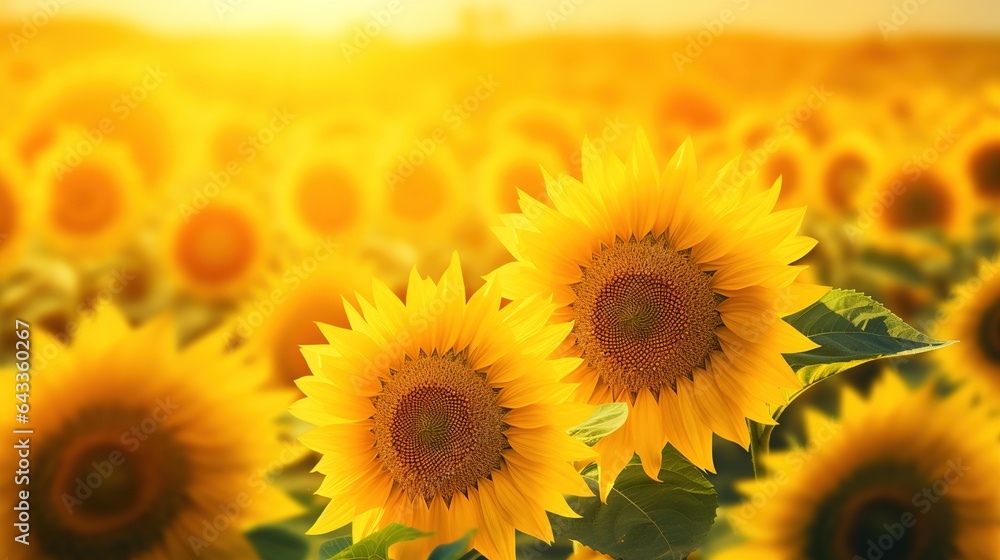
906, 475
676, 287
13, 219
846, 169
218, 252
425, 195
792, 161
141, 452
89, 207
977, 161
329, 193
117, 98
910, 200
692, 107
972, 316
283, 316
444, 415
554, 125
513, 165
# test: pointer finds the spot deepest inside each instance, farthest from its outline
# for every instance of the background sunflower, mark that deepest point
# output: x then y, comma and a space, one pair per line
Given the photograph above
875, 483
188, 109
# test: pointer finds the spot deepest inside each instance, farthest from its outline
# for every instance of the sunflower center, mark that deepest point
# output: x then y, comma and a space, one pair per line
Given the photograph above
844, 178
109, 494
877, 512
985, 166
926, 203
216, 246
989, 332
86, 201
645, 315
438, 427
328, 199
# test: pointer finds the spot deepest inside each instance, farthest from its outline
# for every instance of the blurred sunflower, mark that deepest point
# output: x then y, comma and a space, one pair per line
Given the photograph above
552, 124
977, 162
284, 315
846, 169
426, 196
104, 98
138, 276
692, 107
910, 200
513, 165
904, 476
751, 128
972, 316
138, 447
13, 215
89, 208
675, 286
218, 252
444, 416
793, 161
328, 193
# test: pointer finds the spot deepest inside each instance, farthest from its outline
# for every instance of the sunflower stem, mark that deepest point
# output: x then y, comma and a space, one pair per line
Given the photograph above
760, 444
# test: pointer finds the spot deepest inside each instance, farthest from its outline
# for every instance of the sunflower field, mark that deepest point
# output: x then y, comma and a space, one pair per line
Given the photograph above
725, 293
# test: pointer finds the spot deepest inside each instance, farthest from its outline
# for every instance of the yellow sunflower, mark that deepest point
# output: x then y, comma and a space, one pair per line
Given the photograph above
444, 415
218, 252
792, 160
512, 165
972, 316
692, 107
911, 200
102, 98
142, 452
906, 475
846, 169
13, 215
977, 161
425, 196
92, 206
283, 316
677, 287
329, 192
542, 122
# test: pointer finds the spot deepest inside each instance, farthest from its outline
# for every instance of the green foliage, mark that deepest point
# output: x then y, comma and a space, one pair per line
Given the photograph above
452, 551
373, 547
644, 519
273, 543
851, 329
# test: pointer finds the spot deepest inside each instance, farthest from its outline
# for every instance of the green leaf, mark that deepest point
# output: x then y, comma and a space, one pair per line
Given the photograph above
645, 519
374, 546
452, 551
272, 543
334, 547
605, 419
851, 329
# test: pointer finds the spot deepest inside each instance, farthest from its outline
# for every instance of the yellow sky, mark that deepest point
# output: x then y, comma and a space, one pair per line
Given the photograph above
422, 18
